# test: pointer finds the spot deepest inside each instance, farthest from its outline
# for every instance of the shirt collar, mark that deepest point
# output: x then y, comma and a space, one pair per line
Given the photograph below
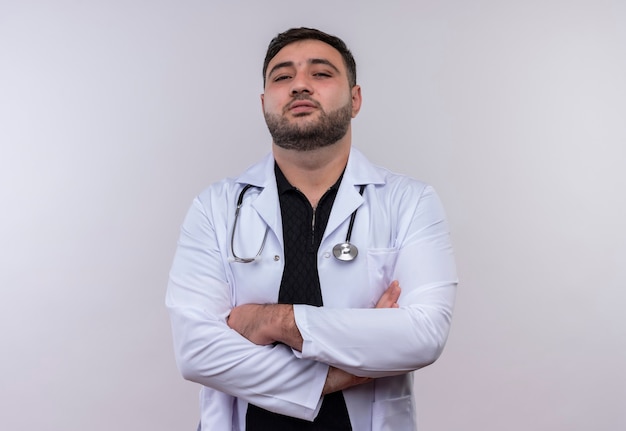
284, 185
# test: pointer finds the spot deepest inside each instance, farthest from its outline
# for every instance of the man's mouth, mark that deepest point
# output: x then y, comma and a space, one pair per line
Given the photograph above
301, 106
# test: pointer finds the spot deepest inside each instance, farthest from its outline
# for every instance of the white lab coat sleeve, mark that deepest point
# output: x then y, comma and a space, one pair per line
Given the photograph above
384, 342
208, 352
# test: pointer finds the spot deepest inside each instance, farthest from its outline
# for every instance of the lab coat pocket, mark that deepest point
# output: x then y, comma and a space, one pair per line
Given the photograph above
397, 414
381, 263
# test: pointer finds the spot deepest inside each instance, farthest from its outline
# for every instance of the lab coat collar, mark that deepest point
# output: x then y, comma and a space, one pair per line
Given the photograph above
361, 171
358, 171
261, 175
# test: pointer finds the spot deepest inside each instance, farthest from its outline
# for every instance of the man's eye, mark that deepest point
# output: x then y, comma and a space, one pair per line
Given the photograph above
321, 75
281, 78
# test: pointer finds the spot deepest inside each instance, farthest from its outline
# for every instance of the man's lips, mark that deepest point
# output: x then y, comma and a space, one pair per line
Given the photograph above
299, 106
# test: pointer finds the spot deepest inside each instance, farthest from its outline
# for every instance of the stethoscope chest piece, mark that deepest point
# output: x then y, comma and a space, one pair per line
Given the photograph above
345, 251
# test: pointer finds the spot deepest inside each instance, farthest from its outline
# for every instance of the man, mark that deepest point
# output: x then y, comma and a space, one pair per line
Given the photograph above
283, 293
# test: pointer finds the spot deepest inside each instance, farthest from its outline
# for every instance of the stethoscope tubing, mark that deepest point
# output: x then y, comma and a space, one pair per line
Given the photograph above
232, 236
345, 252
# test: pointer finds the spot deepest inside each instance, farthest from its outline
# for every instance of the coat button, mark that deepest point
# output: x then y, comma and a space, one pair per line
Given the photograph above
276, 258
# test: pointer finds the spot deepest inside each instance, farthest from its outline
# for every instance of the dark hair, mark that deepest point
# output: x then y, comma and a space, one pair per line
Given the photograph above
303, 33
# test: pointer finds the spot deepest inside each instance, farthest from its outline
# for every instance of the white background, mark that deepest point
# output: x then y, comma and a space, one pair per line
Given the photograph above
114, 114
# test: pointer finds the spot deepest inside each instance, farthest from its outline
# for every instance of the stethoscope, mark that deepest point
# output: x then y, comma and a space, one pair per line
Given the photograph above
345, 251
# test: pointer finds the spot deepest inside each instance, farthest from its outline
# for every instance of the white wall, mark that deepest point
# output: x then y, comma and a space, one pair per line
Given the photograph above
114, 114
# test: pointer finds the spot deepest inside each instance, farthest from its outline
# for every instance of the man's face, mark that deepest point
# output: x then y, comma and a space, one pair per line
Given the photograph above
308, 102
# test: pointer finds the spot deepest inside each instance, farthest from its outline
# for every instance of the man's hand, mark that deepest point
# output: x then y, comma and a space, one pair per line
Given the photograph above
389, 299
338, 380
266, 324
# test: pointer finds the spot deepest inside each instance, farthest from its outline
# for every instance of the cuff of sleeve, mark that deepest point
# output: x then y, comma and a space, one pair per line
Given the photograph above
318, 387
300, 313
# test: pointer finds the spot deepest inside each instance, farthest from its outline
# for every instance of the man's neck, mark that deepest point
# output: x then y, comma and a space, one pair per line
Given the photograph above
313, 172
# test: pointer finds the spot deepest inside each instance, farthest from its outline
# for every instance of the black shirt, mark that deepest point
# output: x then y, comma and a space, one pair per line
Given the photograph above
303, 229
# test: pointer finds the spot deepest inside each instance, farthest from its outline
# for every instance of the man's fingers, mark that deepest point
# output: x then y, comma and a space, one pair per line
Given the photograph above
389, 299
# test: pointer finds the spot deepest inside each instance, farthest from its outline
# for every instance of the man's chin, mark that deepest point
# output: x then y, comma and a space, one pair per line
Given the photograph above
303, 146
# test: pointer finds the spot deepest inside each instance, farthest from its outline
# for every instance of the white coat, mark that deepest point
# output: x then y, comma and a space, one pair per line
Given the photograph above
401, 233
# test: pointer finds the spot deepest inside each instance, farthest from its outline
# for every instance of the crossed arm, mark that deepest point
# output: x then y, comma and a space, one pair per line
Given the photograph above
265, 324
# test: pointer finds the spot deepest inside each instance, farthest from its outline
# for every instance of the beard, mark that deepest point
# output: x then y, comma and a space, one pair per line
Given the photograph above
327, 130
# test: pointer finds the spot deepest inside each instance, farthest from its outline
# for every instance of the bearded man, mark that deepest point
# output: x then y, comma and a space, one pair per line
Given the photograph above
305, 292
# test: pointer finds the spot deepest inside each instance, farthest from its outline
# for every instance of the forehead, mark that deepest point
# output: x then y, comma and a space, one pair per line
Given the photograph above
304, 50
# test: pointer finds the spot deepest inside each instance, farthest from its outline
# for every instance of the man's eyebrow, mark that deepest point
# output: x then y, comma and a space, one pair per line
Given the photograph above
323, 61
280, 66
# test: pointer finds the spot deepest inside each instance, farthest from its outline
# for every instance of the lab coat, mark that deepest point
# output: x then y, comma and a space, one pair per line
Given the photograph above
401, 233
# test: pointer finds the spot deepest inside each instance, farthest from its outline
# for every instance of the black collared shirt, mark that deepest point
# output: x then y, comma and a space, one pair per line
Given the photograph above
303, 229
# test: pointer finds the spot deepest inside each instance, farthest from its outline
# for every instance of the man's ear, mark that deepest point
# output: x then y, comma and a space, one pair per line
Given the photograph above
263, 102
356, 100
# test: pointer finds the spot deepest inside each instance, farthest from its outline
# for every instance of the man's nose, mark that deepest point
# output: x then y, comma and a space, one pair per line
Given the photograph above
300, 84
